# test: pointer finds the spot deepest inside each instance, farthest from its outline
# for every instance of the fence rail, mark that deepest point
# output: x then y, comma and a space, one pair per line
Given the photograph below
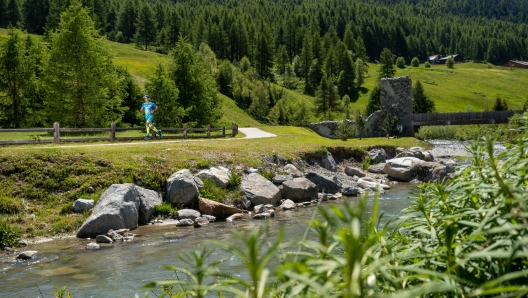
465, 118
57, 130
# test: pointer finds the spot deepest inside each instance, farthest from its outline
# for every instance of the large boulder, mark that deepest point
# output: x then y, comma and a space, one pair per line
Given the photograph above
27, 255
369, 183
81, 205
188, 214
292, 170
431, 171
279, 179
117, 208
328, 162
330, 182
377, 168
354, 172
216, 209
298, 190
218, 175
148, 200
182, 188
378, 154
401, 169
259, 190
288, 205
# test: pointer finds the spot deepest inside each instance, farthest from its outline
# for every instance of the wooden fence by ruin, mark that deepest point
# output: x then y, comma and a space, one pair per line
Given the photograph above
464, 118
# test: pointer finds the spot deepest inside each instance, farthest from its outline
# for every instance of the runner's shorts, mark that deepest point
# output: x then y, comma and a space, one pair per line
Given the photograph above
149, 119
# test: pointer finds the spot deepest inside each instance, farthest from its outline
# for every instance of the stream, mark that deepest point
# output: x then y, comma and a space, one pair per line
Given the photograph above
121, 269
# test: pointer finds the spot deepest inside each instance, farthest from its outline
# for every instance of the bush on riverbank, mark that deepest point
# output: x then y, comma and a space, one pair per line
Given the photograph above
464, 238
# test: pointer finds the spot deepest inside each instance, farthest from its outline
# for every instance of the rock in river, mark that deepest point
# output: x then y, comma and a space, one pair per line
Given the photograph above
188, 214
182, 188
218, 175
401, 169
259, 190
216, 209
27, 255
299, 189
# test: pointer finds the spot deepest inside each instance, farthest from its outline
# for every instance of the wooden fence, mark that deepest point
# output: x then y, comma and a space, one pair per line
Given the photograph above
207, 132
491, 117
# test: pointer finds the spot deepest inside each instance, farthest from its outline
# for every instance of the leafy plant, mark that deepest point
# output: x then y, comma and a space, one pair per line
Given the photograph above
8, 235
344, 130
10, 205
164, 209
268, 174
61, 293
367, 162
235, 179
212, 192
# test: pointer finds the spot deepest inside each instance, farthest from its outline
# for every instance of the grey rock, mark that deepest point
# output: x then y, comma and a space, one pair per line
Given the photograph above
350, 191
81, 205
200, 222
370, 183
428, 156
324, 181
379, 155
322, 196
148, 200
264, 215
246, 203
91, 189
210, 218
21, 242
259, 190
377, 168
263, 208
279, 179
117, 208
27, 255
235, 217
218, 175
287, 205
185, 223
354, 172
401, 169
199, 183
299, 189
103, 239
405, 154
293, 171
328, 129
92, 245
328, 162
114, 235
216, 209
252, 171
182, 188
188, 214
334, 197
431, 171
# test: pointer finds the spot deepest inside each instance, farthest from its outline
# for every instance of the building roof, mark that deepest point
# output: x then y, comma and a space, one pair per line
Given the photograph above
520, 62
434, 57
447, 57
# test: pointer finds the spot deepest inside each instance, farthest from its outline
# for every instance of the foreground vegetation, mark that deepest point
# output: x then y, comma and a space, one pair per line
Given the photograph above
39, 183
464, 238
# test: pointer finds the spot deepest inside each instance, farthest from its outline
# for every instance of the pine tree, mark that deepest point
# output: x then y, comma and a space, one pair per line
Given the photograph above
35, 12
360, 124
56, 8
346, 102
315, 74
3, 14
13, 77
306, 57
349, 40
145, 26
264, 59
81, 73
500, 105
281, 59
374, 101
196, 84
164, 93
327, 99
421, 103
14, 16
386, 69
347, 76
126, 21
360, 73
132, 98
225, 78
260, 101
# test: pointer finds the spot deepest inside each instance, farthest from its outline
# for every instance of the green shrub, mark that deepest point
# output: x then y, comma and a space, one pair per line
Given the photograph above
212, 192
68, 208
427, 64
450, 63
8, 235
400, 62
268, 174
164, 209
415, 62
9, 205
235, 179
367, 162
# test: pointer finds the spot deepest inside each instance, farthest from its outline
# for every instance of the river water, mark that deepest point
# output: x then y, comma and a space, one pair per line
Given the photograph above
121, 269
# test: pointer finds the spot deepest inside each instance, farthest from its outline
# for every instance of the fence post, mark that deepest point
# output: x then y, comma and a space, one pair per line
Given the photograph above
56, 132
185, 130
112, 132
208, 130
223, 131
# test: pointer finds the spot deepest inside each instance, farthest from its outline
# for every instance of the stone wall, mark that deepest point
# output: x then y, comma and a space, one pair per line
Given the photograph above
328, 129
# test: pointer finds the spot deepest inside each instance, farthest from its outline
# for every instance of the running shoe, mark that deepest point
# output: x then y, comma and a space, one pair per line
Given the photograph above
147, 138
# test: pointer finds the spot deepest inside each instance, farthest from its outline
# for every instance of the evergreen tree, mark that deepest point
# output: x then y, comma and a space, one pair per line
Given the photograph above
260, 101
13, 78
315, 74
3, 14
145, 26
386, 69
344, 130
264, 59
225, 78
290, 80
35, 13
14, 16
306, 57
360, 124
126, 21
281, 59
360, 73
361, 50
196, 84
81, 75
450, 63
165, 93
56, 8
349, 40
500, 105
347, 76
346, 102
173, 29
421, 103
374, 101
327, 99
132, 98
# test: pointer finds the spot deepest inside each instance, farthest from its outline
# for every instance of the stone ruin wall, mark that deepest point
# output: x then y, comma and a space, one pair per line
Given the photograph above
396, 100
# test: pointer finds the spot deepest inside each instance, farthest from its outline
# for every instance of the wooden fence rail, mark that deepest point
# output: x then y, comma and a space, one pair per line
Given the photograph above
57, 130
465, 118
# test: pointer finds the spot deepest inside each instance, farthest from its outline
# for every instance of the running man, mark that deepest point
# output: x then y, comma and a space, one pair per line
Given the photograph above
149, 108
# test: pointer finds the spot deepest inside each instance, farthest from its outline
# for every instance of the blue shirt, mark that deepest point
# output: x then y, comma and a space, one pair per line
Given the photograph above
148, 108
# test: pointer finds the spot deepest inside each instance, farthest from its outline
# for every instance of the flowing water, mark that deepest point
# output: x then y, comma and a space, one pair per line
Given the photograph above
119, 270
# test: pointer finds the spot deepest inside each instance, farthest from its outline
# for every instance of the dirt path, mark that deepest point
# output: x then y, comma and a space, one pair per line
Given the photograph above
251, 133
